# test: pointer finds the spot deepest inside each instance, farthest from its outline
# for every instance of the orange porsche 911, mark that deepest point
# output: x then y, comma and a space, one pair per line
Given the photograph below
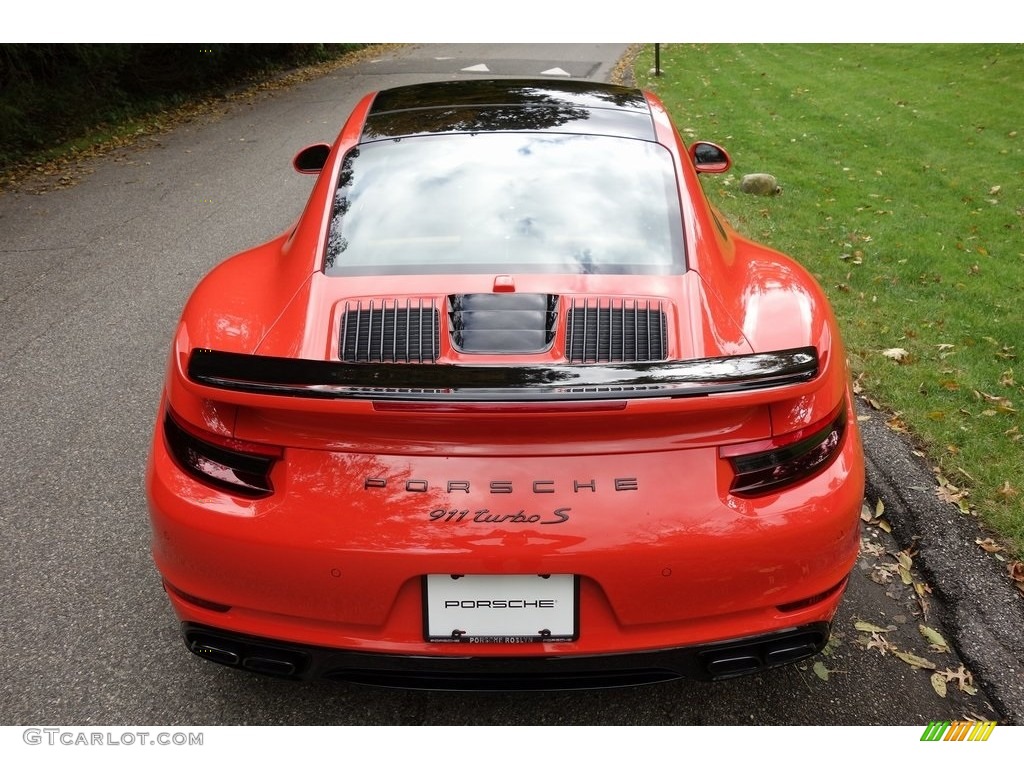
511, 406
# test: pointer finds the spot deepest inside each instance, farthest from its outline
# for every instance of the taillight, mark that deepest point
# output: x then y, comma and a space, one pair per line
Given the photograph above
767, 465
233, 465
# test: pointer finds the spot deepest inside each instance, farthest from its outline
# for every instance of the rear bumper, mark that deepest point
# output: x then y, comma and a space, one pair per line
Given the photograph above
712, 661
325, 578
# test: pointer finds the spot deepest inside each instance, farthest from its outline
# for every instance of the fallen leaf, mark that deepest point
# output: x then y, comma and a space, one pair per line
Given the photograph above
914, 661
937, 641
988, 545
875, 518
1016, 571
939, 684
964, 679
878, 641
866, 626
881, 574
871, 548
951, 494
834, 641
821, 670
896, 424
994, 398
922, 589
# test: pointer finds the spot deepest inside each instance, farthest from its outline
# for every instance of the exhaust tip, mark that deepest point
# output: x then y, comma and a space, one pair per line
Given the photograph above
730, 666
214, 653
266, 666
753, 655
252, 654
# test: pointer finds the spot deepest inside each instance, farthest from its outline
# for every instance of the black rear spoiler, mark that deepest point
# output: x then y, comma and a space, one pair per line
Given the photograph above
323, 379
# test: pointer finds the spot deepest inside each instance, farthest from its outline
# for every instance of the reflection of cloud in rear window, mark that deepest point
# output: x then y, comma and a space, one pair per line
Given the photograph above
528, 202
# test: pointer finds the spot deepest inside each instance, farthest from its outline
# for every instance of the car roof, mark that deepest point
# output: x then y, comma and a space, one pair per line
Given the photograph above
481, 106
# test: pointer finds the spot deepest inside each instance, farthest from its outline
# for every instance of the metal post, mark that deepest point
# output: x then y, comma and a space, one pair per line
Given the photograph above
657, 59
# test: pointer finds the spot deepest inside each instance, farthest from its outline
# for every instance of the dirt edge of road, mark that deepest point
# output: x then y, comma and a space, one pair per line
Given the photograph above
980, 609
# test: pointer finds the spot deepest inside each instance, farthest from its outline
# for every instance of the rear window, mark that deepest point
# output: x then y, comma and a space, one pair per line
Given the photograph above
506, 203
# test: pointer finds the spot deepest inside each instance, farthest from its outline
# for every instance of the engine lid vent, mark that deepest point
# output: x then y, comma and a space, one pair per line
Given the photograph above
390, 331
615, 331
502, 323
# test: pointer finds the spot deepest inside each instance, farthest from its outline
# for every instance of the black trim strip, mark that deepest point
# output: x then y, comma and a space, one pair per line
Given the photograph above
326, 379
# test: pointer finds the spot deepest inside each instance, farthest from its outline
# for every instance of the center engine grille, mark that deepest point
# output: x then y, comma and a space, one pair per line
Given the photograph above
392, 331
502, 323
615, 331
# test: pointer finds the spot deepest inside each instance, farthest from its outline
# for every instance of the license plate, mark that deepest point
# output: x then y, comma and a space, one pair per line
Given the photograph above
500, 609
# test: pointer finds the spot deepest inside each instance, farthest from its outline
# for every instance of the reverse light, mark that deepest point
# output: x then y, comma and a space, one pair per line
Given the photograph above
233, 465
767, 465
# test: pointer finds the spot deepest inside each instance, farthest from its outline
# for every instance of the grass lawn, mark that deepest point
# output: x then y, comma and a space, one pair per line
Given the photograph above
902, 168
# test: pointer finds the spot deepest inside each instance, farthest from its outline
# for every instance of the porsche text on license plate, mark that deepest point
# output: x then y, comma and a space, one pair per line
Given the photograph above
500, 609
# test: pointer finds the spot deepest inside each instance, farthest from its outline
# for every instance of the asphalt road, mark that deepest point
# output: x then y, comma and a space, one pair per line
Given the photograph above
92, 278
